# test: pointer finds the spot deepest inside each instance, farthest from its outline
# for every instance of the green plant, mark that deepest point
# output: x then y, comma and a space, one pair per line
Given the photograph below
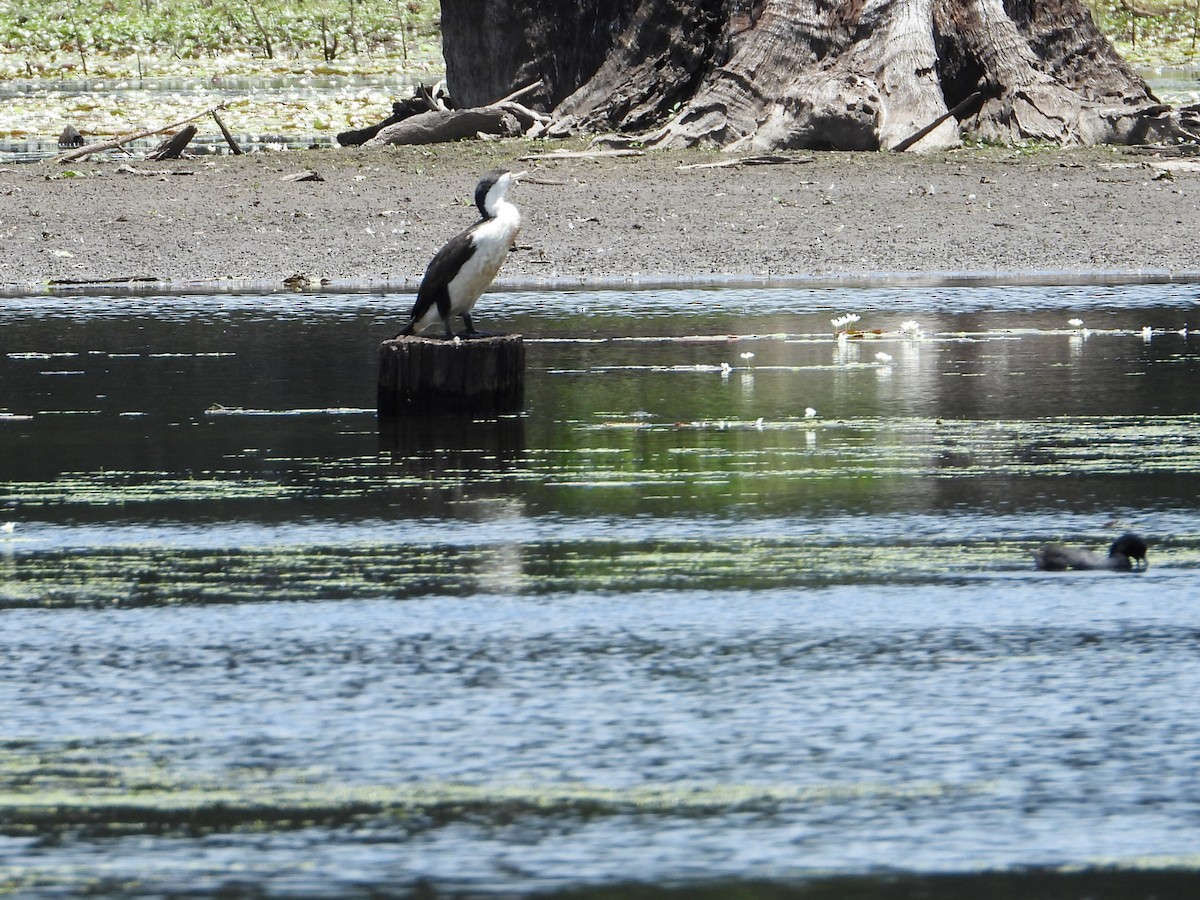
1163, 32
100, 37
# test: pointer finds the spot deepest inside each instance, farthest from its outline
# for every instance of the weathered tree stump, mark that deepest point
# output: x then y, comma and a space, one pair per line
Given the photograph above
422, 376
173, 147
70, 138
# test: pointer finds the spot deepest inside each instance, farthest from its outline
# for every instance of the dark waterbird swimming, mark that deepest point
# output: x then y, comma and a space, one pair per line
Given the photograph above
463, 269
1121, 556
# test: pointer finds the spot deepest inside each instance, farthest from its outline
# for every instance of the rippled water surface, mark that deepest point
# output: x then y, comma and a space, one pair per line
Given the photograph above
733, 598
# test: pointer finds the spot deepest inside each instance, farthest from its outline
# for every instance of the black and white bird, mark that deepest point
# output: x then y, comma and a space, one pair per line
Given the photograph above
463, 269
1121, 556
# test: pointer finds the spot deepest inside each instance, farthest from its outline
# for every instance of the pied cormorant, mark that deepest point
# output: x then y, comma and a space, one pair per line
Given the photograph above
1125, 549
465, 267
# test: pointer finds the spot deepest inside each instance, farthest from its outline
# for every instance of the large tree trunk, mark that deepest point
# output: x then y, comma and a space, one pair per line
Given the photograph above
836, 74
493, 47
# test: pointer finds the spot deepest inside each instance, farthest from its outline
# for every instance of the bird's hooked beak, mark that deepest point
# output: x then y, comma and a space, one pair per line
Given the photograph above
517, 176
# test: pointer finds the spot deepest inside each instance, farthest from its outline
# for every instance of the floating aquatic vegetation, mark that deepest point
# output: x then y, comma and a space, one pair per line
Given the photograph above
845, 333
218, 410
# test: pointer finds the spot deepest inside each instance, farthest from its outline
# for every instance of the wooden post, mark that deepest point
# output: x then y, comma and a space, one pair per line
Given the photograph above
420, 376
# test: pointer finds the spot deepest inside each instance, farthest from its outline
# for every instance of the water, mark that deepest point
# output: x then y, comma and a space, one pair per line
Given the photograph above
263, 112
1177, 86
665, 626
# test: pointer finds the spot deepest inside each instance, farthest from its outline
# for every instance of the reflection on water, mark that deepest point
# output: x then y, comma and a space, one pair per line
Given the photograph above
732, 598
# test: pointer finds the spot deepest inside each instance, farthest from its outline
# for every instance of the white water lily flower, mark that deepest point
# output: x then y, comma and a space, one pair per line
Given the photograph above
847, 319
1074, 323
911, 327
809, 412
884, 358
747, 356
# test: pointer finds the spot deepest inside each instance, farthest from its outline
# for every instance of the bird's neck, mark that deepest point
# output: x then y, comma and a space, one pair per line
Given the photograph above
505, 212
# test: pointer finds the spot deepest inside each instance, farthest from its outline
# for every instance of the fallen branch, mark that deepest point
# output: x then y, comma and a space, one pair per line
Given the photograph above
306, 175
765, 160
439, 124
519, 92
114, 143
233, 145
526, 116
454, 125
961, 107
580, 154
151, 173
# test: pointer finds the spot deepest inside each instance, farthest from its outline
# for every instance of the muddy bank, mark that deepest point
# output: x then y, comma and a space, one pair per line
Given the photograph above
377, 215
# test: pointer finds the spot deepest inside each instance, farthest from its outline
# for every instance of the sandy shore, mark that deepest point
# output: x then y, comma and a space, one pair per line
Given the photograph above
378, 215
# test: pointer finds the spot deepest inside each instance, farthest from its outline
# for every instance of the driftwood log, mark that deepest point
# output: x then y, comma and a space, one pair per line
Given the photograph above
440, 126
401, 110
428, 118
423, 376
423, 100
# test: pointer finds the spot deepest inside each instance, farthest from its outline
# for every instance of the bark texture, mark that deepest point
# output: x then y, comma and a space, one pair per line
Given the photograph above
822, 74
494, 47
424, 376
